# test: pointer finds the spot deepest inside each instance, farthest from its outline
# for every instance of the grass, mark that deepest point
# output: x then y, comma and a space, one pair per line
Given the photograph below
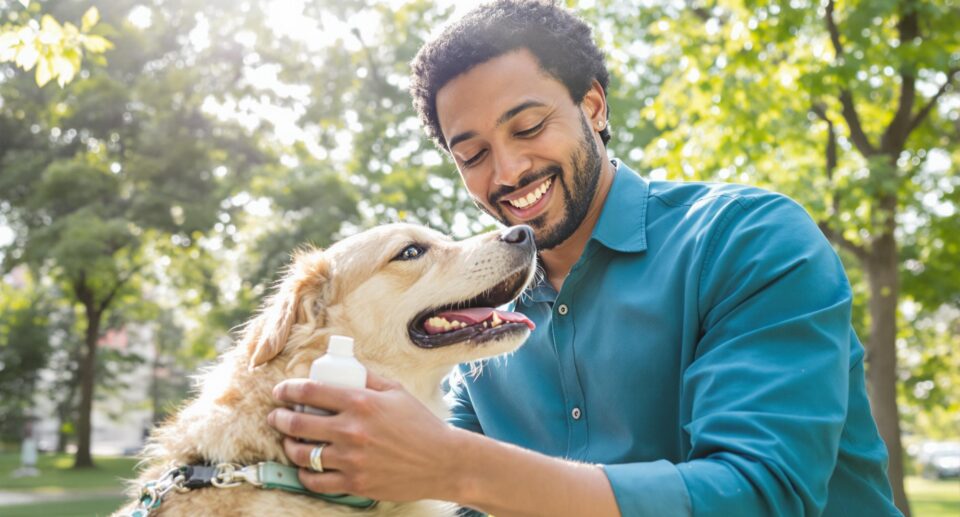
933, 498
57, 476
928, 498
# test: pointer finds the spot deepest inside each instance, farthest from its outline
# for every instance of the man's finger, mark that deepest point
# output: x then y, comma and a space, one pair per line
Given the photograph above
300, 425
324, 482
299, 453
311, 393
377, 383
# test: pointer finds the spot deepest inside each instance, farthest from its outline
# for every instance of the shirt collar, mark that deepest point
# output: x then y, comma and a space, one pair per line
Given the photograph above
622, 225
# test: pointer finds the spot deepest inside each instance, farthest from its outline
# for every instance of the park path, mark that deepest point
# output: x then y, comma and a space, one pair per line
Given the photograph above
8, 498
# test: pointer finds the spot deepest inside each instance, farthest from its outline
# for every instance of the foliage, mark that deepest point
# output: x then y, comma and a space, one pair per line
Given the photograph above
55, 50
24, 347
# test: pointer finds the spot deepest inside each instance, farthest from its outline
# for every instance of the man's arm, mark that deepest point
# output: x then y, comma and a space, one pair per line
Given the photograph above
384, 444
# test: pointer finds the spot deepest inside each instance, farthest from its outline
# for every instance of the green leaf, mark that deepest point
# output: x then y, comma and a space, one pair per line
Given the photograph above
27, 57
90, 18
44, 71
96, 44
63, 69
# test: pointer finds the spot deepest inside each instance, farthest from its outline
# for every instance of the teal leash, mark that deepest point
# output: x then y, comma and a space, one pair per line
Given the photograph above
268, 475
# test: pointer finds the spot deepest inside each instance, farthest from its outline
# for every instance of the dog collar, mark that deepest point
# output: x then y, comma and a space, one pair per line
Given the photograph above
266, 475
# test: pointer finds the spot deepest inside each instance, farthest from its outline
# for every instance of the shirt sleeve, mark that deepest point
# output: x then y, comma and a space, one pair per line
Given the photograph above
458, 401
766, 391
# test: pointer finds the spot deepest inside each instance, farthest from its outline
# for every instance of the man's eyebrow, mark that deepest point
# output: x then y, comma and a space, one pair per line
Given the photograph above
460, 138
512, 112
507, 115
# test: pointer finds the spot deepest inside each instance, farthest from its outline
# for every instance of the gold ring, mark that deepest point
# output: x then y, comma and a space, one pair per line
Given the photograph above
316, 463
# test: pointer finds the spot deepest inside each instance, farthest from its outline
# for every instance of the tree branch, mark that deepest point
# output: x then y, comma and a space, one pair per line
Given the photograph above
830, 167
857, 135
837, 238
895, 136
116, 287
922, 114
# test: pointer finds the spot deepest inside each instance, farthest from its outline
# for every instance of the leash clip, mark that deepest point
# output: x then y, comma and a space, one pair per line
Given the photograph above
230, 475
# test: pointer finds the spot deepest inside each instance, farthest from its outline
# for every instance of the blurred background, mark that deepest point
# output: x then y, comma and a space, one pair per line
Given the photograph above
160, 159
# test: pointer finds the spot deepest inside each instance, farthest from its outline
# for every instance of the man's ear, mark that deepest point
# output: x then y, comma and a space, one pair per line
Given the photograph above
300, 298
594, 104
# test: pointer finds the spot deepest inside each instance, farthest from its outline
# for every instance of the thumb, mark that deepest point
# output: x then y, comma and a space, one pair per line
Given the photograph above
379, 383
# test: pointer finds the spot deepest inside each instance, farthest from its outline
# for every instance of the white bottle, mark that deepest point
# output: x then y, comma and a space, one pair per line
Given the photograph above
338, 367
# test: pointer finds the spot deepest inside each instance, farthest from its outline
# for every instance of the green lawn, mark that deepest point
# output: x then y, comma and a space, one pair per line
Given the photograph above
58, 476
929, 498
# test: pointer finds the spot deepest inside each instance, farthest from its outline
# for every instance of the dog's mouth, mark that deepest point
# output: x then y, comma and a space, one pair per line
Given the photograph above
475, 320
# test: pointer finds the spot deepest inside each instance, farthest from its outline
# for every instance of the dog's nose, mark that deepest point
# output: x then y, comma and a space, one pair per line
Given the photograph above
521, 234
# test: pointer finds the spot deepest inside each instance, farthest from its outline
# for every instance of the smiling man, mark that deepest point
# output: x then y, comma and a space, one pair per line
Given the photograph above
693, 353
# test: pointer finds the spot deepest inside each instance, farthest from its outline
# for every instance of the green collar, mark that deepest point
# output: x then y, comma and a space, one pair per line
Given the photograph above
266, 474
276, 476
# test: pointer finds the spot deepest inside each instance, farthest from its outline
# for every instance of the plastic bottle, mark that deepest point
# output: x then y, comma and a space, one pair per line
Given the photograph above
338, 367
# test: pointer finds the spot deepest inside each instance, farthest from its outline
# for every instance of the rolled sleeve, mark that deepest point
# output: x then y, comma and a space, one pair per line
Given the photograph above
648, 489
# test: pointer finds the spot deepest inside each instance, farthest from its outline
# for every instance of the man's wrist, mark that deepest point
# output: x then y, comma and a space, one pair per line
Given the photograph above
459, 466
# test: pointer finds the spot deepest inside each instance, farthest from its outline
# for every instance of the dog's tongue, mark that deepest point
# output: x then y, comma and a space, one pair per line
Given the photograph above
475, 316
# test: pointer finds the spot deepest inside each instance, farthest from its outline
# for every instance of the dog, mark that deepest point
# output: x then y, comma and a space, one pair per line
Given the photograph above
416, 302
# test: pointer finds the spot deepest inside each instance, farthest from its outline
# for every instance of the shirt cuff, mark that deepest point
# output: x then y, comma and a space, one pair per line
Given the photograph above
655, 489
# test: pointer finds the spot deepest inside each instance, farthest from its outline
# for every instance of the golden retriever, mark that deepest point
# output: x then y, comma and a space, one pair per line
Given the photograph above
416, 302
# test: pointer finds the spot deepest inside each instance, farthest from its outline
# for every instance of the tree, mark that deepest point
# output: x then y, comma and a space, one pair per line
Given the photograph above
838, 104
91, 175
55, 50
24, 347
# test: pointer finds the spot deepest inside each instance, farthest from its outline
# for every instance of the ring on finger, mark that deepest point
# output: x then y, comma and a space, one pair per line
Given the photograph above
316, 462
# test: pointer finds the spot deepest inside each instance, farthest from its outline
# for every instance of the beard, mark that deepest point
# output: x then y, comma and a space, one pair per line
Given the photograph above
577, 197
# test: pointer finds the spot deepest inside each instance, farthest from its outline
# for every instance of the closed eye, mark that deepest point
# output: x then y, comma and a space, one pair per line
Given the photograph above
531, 131
476, 158
411, 252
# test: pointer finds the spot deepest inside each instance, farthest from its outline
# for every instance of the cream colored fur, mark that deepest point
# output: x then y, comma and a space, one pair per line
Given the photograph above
354, 289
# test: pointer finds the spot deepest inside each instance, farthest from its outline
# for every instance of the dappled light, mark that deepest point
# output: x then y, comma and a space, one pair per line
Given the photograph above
161, 161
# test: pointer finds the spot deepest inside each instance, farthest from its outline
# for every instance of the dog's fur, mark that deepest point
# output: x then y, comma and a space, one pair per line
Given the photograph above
354, 288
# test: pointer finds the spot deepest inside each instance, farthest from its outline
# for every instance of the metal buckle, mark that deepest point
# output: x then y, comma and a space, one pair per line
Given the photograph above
230, 475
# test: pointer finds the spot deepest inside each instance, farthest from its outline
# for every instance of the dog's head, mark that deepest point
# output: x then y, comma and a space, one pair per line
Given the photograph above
412, 298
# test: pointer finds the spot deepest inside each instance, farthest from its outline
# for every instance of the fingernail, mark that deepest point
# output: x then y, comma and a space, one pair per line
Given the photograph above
276, 391
271, 416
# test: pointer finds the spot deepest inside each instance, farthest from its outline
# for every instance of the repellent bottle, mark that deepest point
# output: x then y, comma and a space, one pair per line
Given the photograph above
338, 367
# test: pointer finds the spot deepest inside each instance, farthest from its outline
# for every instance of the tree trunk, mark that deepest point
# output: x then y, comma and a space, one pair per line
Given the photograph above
883, 279
87, 379
65, 415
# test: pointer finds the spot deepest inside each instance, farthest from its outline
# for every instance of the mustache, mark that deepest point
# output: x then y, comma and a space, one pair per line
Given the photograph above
550, 170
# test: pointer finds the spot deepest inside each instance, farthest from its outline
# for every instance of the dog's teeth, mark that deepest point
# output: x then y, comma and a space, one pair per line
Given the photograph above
496, 320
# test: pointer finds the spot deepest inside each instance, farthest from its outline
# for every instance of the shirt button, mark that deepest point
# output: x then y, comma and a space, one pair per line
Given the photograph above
575, 413
562, 309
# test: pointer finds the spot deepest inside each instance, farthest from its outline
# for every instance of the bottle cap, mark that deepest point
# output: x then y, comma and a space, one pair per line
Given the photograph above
340, 345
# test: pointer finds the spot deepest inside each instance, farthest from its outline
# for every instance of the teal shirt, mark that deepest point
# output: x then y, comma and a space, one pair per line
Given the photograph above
701, 351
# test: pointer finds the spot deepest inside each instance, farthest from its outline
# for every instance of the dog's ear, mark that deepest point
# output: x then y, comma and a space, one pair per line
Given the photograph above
298, 299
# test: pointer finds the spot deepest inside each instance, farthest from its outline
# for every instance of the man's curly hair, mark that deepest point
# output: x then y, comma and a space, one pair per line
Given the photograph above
561, 42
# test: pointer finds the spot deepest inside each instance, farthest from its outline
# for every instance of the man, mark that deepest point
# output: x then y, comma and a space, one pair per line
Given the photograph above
693, 351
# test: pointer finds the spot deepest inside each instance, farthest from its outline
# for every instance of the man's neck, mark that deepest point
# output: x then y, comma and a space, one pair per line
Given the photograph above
558, 261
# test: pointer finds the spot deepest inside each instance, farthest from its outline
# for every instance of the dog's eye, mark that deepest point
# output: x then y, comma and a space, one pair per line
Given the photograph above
411, 252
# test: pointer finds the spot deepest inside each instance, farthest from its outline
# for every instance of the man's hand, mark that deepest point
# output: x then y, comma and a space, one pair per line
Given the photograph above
382, 442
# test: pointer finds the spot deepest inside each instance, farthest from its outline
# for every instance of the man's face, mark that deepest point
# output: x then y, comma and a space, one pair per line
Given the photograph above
527, 153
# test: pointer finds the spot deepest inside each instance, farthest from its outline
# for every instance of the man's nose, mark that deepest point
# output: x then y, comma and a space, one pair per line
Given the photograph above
509, 166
